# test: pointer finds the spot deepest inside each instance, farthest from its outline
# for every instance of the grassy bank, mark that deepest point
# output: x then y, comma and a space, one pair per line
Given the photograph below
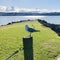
46, 43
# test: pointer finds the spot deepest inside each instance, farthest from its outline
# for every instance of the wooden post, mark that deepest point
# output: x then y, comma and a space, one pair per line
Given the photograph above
28, 48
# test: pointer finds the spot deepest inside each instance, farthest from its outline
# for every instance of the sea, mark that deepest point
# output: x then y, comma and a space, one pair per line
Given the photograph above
4, 20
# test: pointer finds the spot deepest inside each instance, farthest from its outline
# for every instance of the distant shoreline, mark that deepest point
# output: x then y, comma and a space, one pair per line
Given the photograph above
29, 14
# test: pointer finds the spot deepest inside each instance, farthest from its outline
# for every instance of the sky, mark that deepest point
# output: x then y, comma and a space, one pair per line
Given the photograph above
42, 4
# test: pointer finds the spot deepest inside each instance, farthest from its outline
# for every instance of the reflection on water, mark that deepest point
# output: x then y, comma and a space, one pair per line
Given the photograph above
8, 19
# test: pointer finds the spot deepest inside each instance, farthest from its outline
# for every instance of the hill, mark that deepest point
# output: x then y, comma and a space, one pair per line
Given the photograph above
46, 43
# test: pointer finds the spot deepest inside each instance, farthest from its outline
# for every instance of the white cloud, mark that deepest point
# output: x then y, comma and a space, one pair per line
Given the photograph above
2, 8
16, 9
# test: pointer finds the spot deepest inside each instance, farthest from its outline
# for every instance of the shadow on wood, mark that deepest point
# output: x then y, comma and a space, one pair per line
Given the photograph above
28, 48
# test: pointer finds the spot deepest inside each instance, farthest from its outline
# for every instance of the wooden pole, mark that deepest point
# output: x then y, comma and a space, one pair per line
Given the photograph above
28, 48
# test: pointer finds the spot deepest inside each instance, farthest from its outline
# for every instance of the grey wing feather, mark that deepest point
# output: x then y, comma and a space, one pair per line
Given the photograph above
30, 29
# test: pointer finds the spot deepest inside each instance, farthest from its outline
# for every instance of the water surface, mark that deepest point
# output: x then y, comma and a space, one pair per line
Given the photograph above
9, 19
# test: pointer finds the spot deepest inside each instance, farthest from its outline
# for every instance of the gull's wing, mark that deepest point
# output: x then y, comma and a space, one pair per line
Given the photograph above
32, 30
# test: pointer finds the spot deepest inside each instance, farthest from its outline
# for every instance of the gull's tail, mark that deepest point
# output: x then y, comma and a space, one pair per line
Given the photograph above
37, 31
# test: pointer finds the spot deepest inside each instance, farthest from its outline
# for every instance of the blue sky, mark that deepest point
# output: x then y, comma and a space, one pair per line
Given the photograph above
42, 4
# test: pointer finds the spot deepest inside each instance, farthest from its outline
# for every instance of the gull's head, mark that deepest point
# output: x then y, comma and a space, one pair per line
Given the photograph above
26, 25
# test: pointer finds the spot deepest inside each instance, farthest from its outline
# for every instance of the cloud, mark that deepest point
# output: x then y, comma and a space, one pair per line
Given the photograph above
2, 8
16, 9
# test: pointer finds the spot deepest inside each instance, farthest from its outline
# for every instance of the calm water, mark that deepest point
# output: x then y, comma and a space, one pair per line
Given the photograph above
8, 19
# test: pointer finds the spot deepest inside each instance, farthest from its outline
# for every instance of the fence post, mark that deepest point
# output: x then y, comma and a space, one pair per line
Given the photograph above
28, 48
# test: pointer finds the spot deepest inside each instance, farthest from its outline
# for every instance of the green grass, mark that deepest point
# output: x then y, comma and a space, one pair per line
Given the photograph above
46, 43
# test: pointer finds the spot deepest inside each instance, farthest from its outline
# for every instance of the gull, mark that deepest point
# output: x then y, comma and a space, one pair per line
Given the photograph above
30, 29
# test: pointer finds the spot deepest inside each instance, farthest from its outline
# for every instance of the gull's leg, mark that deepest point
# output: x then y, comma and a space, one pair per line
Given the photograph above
30, 34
